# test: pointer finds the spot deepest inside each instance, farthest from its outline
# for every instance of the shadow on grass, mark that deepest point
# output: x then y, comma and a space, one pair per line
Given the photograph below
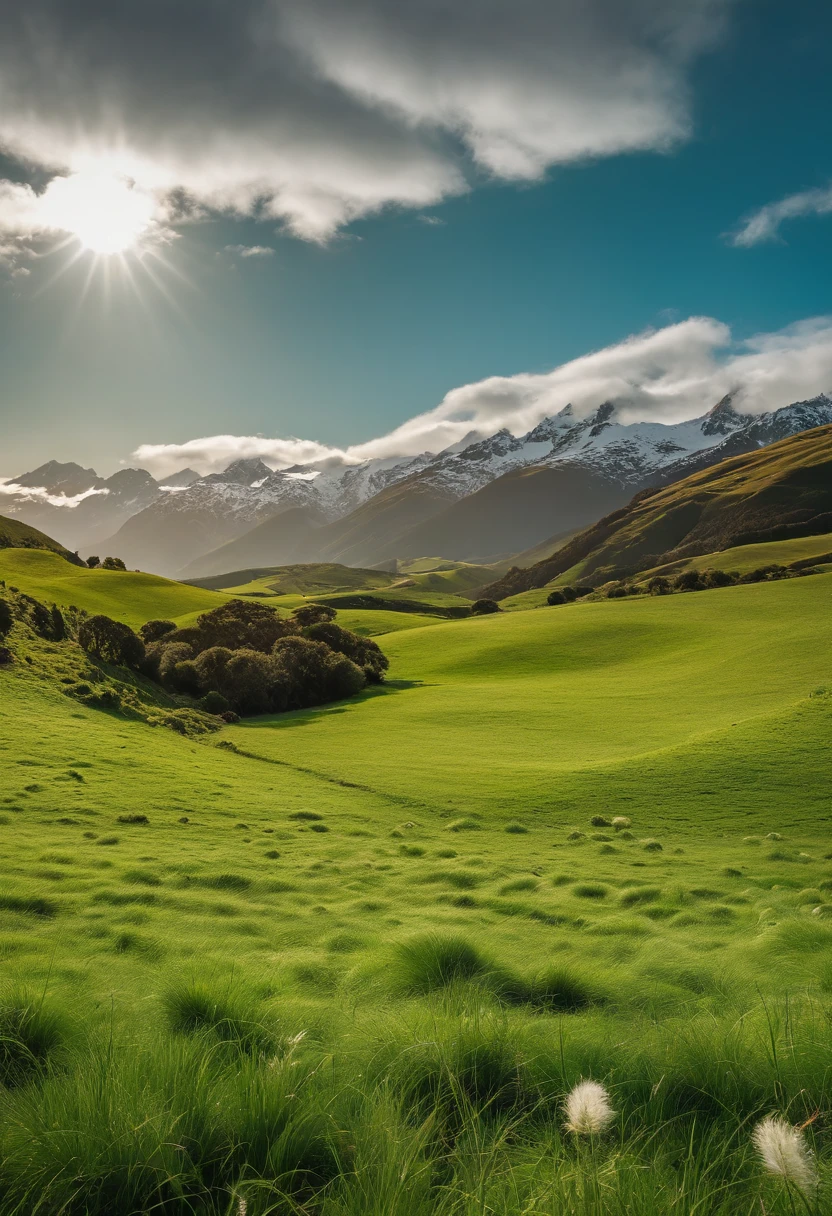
308, 717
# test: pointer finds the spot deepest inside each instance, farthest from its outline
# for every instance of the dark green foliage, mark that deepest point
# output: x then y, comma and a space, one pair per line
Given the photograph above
600, 821
659, 585
230, 1014
152, 631
214, 703
763, 574
32, 1034
6, 618
484, 607
113, 563
583, 590
39, 618
688, 580
435, 960
718, 578
313, 614
364, 652
555, 597
569, 594
590, 890
133, 818
57, 624
617, 592
238, 625
33, 905
311, 673
93, 562
112, 641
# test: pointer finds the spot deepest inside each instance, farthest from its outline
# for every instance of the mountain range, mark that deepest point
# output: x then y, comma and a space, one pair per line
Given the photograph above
481, 499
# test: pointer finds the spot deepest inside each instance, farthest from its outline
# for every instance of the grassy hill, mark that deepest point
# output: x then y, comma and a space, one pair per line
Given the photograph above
17, 535
781, 492
225, 938
307, 579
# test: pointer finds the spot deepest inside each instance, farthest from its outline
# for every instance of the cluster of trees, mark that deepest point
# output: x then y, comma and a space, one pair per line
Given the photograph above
704, 580
242, 658
109, 563
567, 595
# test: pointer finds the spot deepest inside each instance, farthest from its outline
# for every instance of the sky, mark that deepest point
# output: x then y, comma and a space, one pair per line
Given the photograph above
371, 226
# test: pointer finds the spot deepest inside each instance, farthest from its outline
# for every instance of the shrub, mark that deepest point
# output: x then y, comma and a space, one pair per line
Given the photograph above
57, 624
6, 618
484, 607
6, 656
617, 592
113, 563
31, 1035
365, 653
555, 597
583, 590
600, 821
659, 585
313, 614
135, 818
311, 673
688, 580
569, 594
152, 631
166, 658
240, 625
214, 702
112, 641
93, 562
719, 578
427, 963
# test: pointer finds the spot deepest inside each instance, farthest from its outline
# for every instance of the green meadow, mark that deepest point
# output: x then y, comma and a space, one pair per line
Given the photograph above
352, 960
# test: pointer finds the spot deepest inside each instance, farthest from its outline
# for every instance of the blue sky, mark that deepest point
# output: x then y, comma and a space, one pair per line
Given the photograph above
343, 341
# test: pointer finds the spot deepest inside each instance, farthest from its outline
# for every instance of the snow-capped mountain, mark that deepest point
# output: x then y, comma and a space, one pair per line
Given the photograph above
78, 507
164, 526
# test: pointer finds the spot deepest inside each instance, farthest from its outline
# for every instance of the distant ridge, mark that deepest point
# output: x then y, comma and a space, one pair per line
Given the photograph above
775, 493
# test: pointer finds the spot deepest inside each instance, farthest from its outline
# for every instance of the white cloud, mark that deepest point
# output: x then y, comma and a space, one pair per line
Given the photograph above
664, 375
315, 112
250, 251
41, 494
764, 225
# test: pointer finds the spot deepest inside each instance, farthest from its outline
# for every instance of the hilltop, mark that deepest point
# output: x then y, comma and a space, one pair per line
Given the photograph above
774, 494
17, 535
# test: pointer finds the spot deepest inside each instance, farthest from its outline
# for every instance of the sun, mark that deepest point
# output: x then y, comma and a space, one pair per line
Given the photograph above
106, 214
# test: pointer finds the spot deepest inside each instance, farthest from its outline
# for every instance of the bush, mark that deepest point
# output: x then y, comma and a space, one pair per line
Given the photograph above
240, 625
617, 592
363, 652
113, 563
93, 562
569, 594
311, 673
112, 641
31, 1035
583, 590
169, 659
659, 585
313, 614
688, 580
719, 578
152, 631
248, 683
6, 618
214, 702
57, 624
555, 597
484, 607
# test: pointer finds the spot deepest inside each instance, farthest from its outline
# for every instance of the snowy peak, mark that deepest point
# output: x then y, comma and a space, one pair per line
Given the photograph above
723, 419
241, 473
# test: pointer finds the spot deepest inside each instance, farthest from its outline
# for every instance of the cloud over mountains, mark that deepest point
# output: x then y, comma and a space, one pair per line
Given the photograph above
665, 375
315, 112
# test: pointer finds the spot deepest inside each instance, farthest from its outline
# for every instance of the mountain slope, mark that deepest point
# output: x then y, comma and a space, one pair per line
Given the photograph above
275, 542
17, 535
774, 493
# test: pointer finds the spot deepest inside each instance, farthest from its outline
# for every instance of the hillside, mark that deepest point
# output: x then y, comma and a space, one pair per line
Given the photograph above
275, 542
17, 535
306, 579
776, 493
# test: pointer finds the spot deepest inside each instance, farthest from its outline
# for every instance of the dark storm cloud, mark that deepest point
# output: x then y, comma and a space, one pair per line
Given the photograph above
318, 111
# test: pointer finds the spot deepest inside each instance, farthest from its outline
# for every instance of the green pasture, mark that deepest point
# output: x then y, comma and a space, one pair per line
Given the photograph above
231, 934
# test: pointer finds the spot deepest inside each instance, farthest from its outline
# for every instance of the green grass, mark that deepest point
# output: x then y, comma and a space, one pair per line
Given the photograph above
385, 1017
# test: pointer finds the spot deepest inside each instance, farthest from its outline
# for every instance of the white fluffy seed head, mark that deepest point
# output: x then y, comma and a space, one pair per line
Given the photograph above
784, 1152
588, 1110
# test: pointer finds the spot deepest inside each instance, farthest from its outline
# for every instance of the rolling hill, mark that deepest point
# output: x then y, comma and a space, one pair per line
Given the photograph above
776, 493
17, 535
